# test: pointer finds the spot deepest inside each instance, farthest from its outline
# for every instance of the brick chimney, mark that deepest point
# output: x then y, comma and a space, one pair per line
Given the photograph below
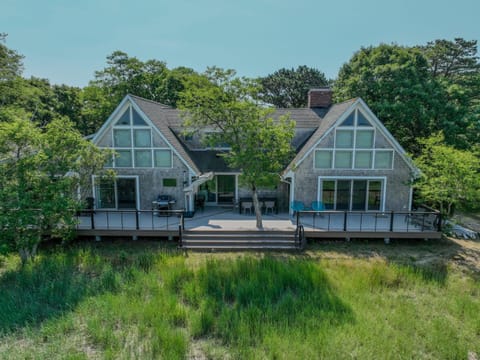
320, 98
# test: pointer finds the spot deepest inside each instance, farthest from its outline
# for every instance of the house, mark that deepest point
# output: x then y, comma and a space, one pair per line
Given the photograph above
345, 158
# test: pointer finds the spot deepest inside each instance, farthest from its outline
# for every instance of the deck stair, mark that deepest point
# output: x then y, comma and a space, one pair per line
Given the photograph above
238, 240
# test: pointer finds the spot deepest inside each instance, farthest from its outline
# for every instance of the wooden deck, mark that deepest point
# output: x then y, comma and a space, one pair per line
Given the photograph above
316, 225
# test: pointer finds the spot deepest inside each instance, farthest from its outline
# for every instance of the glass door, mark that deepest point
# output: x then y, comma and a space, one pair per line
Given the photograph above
226, 189
126, 193
105, 194
208, 190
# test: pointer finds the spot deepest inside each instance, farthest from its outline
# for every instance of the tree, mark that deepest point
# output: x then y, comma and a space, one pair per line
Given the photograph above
288, 88
10, 61
259, 146
450, 177
40, 172
396, 83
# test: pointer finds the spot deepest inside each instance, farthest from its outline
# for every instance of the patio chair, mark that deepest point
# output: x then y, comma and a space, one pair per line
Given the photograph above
269, 205
297, 206
318, 206
247, 205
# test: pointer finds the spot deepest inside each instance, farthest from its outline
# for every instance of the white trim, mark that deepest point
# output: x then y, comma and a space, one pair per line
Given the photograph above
410, 198
292, 194
383, 179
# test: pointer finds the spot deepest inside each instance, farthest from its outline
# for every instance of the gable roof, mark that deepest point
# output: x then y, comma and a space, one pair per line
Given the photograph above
333, 114
311, 125
157, 113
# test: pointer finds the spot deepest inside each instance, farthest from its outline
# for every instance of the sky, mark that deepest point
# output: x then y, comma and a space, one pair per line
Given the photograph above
66, 41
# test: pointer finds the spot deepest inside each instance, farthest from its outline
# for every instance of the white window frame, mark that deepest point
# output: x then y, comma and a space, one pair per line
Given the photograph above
382, 179
137, 190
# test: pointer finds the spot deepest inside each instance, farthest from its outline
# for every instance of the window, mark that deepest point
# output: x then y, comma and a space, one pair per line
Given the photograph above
351, 194
364, 139
384, 159
323, 159
125, 118
163, 158
137, 119
363, 160
123, 158
344, 139
169, 182
133, 144
354, 147
142, 138
343, 159
143, 158
121, 138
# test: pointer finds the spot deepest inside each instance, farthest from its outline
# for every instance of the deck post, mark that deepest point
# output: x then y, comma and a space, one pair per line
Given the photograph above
345, 214
439, 219
298, 218
391, 220
137, 225
386, 241
92, 219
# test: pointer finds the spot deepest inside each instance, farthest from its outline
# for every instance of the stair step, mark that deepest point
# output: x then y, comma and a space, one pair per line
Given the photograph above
238, 247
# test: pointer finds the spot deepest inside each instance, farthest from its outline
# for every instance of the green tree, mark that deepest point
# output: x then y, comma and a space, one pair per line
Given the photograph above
450, 177
288, 88
396, 83
259, 146
40, 172
11, 64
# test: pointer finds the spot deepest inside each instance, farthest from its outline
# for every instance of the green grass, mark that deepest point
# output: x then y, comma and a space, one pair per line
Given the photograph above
145, 300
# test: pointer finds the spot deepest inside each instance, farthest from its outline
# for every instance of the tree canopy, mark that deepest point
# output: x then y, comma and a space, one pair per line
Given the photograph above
450, 177
40, 173
259, 145
288, 88
417, 91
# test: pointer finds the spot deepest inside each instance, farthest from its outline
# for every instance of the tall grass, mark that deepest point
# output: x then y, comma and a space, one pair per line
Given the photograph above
146, 301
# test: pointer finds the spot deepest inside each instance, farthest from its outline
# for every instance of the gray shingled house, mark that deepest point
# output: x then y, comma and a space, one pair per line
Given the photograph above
345, 159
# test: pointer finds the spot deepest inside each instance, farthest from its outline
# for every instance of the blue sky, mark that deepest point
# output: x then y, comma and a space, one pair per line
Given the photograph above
67, 40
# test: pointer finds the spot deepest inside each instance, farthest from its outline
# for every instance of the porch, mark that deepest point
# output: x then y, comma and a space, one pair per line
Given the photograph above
316, 224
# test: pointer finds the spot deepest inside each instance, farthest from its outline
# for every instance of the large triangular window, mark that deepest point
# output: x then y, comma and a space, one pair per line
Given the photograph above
350, 120
137, 119
125, 118
362, 120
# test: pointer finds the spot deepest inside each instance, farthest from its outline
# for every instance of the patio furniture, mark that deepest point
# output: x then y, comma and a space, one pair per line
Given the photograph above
163, 204
269, 205
318, 206
247, 205
297, 206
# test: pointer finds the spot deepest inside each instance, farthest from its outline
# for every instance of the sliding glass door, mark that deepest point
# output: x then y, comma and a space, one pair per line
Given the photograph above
120, 193
351, 194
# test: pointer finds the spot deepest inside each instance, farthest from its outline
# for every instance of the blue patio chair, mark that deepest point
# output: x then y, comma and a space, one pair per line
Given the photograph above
297, 206
318, 206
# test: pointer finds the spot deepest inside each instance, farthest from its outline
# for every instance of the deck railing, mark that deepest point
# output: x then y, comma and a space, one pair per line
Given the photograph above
376, 221
130, 219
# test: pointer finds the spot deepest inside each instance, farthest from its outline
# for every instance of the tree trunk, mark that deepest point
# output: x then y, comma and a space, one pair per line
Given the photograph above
24, 255
258, 209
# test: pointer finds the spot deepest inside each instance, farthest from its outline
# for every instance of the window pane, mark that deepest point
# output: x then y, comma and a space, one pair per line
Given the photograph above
328, 194
142, 138
343, 194
125, 118
323, 159
364, 139
349, 120
163, 158
105, 193
383, 159
343, 160
374, 194
362, 121
363, 160
344, 139
121, 138
123, 158
359, 194
143, 158
137, 119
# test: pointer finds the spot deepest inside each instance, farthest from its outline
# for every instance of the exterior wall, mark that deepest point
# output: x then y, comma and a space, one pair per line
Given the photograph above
150, 183
397, 180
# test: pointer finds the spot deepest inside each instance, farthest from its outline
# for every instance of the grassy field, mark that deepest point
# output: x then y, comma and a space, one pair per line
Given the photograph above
146, 300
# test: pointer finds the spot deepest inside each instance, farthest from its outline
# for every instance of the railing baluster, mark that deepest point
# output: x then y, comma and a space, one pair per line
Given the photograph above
345, 220
108, 220
361, 220
391, 220
92, 219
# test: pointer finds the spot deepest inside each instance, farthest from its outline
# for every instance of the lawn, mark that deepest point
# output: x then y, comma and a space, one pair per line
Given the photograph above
146, 300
